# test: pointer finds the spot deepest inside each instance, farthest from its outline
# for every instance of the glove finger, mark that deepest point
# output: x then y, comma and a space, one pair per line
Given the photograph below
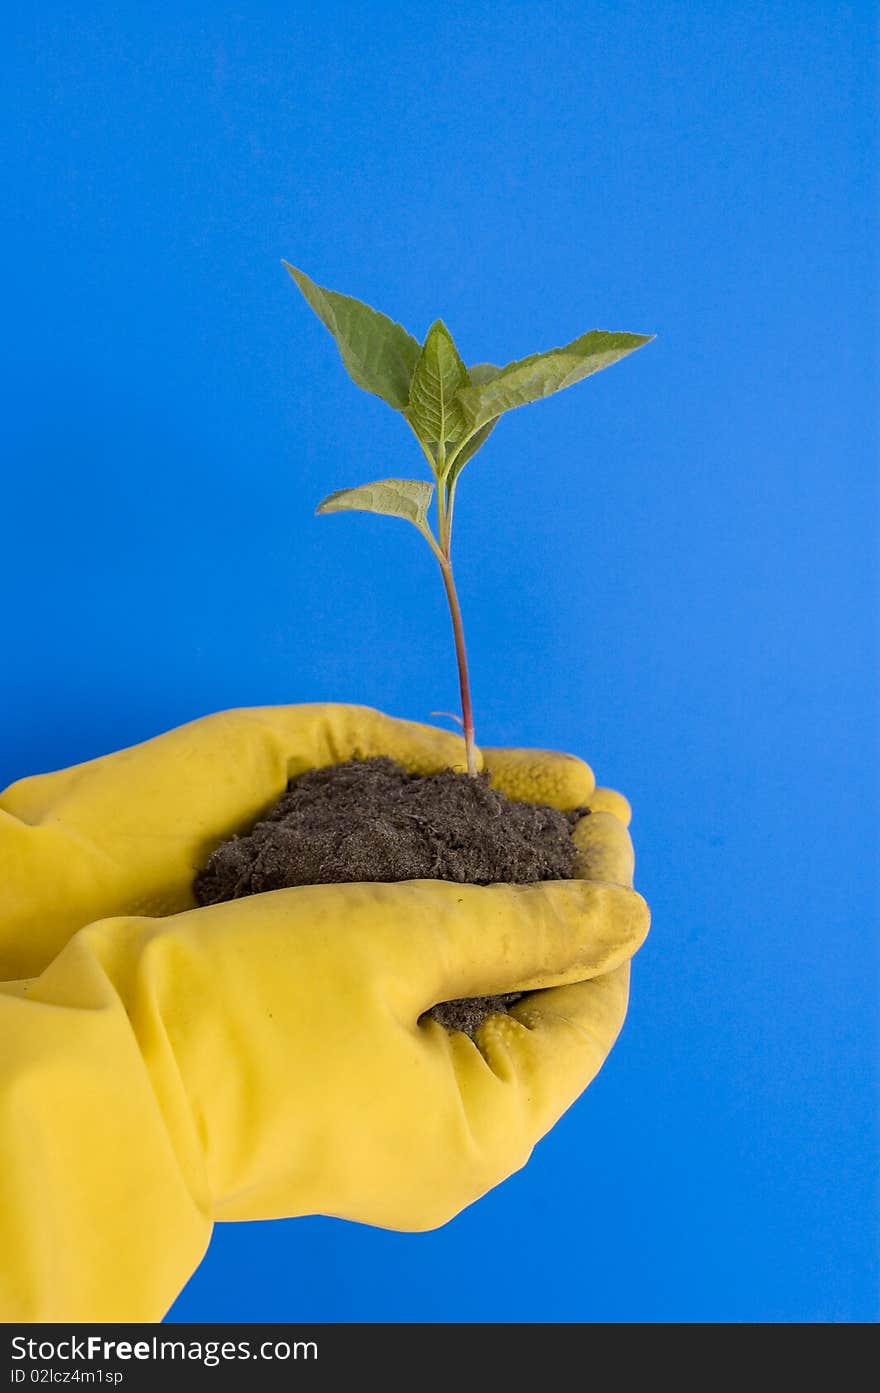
540, 776
608, 800
447, 941
223, 766
552, 1045
425, 941
124, 834
604, 849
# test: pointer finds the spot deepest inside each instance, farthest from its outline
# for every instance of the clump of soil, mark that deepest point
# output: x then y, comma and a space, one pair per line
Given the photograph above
373, 820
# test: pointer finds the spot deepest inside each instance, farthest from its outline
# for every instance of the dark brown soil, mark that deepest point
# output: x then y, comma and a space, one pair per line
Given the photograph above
372, 820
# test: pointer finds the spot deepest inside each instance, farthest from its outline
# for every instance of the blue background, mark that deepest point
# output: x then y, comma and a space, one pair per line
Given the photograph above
668, 570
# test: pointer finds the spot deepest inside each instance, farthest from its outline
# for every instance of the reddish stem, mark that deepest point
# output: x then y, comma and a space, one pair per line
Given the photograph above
467, 714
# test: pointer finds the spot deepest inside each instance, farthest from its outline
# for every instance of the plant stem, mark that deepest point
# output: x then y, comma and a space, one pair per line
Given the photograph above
467, 712
442, 548
458, 631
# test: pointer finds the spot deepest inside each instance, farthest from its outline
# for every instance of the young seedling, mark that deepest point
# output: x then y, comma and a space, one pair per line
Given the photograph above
452, 411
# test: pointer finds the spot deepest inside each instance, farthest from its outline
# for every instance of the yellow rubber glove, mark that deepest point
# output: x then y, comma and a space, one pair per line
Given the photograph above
163, 1066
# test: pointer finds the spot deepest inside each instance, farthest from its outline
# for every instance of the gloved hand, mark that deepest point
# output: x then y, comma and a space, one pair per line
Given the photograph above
266, 1057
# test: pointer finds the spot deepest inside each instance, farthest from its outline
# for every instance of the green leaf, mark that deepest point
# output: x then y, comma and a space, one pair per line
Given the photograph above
434, 411
482, 372
397, 498
469, 449
541, 375
379, 355
478, 374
